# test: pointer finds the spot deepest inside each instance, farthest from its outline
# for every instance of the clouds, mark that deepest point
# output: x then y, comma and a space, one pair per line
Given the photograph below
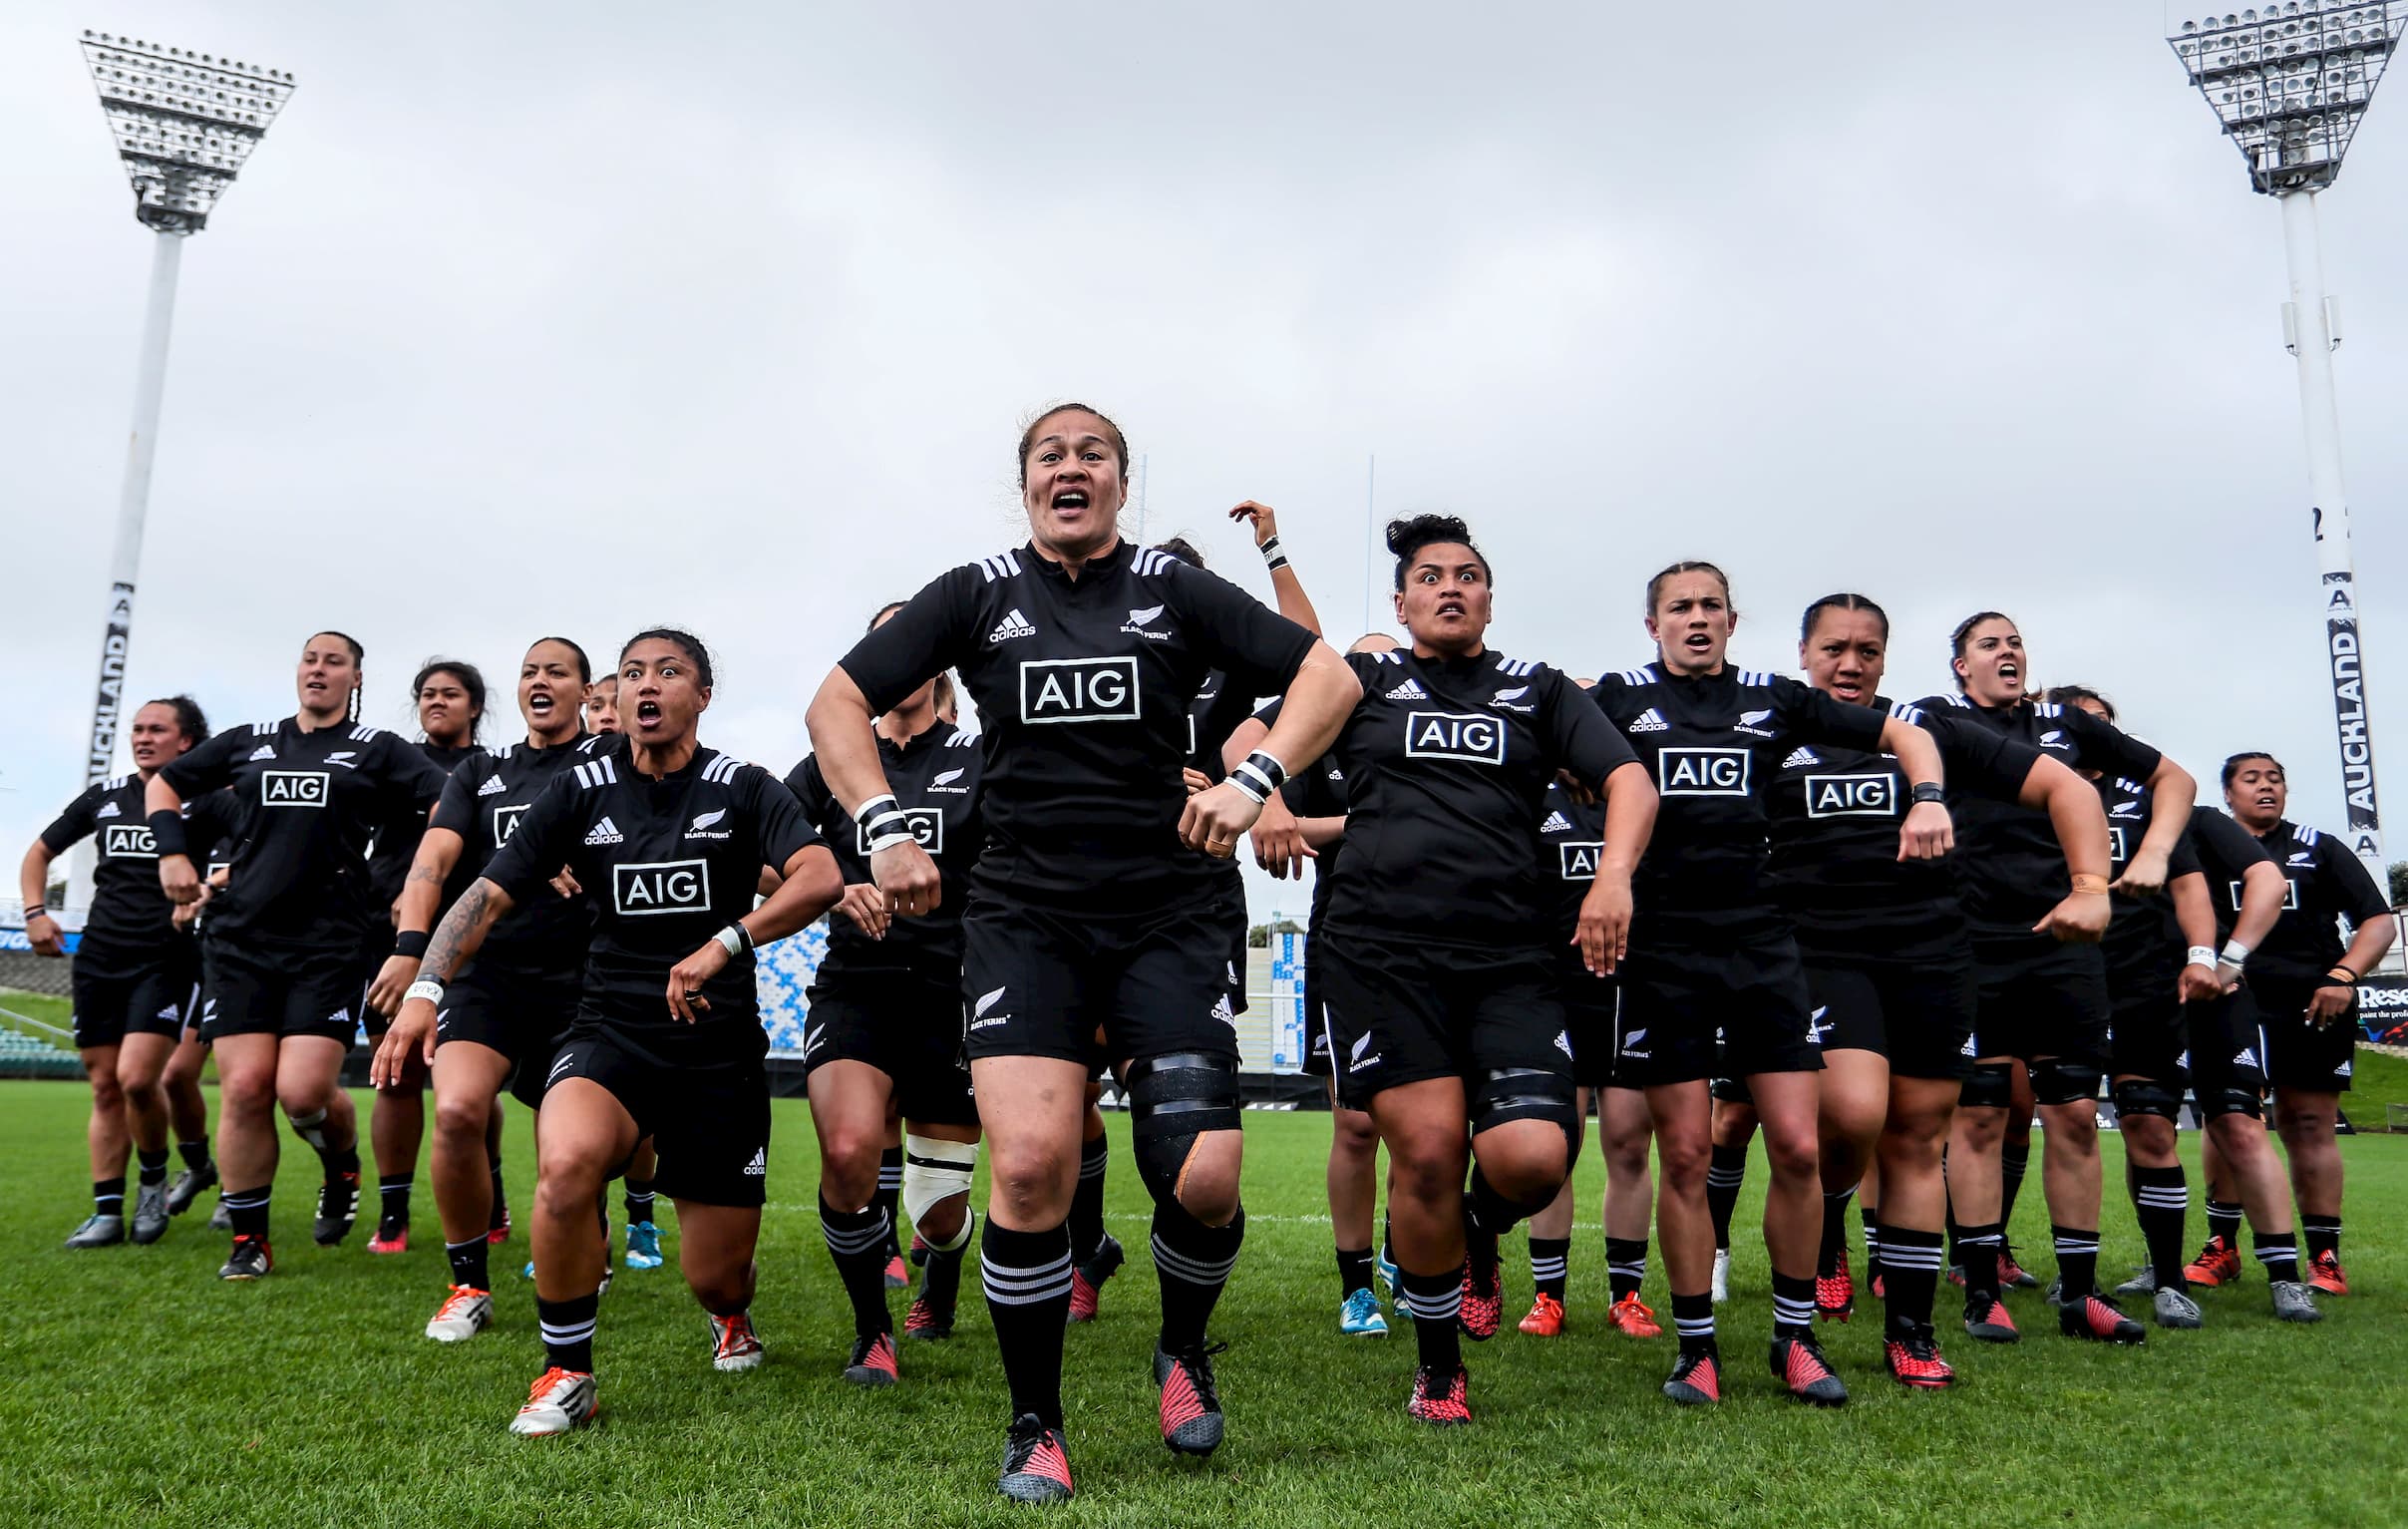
543, 319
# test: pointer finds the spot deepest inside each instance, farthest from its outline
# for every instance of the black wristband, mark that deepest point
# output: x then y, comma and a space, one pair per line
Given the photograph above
412, 944
1929, 791
166, 832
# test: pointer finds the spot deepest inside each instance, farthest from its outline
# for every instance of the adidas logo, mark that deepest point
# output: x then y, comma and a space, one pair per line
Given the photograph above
1563, 1043
1799, 759
758, 1168
2345, 1069
1014, 625
264, 751
107, 809
1649, 721
604, 832
1410, 691
1222, 1012
339, 1016
2182, 1061
170, 1013
492, 786
2248, 1057
1556, 822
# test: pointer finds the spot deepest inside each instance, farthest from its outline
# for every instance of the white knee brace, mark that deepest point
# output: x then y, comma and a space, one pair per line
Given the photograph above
935, 1170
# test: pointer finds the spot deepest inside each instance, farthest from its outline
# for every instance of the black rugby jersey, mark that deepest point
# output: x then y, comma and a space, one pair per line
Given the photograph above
2009, 865
1833, 870
667, 865
313, 801
130, 918
396, 842
2223, 851
935, 778
2328, 885
1713, 743
483, 802
1447, 764
1317, 791
2143, 941
1571, 837
1083, 687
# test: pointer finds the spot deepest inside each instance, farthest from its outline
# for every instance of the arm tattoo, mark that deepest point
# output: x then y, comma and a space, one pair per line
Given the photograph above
462, 930
422, 871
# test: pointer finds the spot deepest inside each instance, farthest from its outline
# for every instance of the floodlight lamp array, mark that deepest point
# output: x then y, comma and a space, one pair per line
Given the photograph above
2291, 82
184, 122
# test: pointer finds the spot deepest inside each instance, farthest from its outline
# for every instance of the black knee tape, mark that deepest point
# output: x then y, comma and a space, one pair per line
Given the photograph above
1173, 1099
2142, 1096
2216, 1103
2064, 1080
1528, 1093
1992, 1086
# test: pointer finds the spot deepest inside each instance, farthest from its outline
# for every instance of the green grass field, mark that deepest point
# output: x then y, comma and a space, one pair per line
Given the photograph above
140, 1389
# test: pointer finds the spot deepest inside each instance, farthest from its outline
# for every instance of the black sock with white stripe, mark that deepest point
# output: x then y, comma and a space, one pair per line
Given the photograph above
857, 1241
1027, 1280
1087, 1200
890, 1196
1193, 1263
1625, 1265
636, 1196
1434, 1301
194, 1153
2324, 1233
1725, 1172
393, 1195
1873, 1236
2161, 1198
2278, 1252
468, 1261
109, 1197
1550, 1258
2077, 1261
154, 1166
940, 1276
1354, 1271
1694, 1321
246, 1209
2224, 1220
1834, 1252
569, 1331
1977, 1250
1910, 1276
1793, 1305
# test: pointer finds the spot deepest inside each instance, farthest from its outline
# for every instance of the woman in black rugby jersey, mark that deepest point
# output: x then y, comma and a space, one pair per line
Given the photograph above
285, 936
448, 698
1438, 984
2039, 1000
668, 838
1890, 964
1084, 914
502, 1016
136, 983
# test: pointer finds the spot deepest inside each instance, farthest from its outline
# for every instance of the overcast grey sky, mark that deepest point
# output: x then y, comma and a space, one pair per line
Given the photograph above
531, 319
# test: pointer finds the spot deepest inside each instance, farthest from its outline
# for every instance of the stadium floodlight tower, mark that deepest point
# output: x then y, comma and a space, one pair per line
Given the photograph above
185, 123
2290, 83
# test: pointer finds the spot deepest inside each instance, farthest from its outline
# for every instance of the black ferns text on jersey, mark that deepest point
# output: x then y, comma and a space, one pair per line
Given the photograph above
2009, 865
1713, 743
667, 865
130, 918
2328, 885
1083, 687
1447, 764
484, 802
1833, 870
936, 779
313, 801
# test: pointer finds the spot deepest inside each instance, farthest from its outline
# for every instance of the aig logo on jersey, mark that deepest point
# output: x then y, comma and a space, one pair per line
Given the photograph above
665, 887
1703, 772
1470, 737
1579, 862
927, 826
505, 822
1077, 691
1852, 796
292, 788
129, 841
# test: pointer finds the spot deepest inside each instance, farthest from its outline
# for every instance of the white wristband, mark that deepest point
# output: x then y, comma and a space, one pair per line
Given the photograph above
888, 841
731, 939
2203, 955
425, 988
2235, 954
